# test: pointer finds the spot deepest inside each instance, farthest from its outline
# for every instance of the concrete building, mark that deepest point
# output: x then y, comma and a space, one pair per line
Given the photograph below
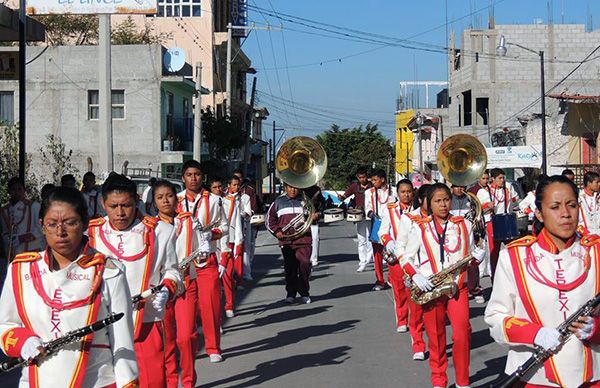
494, 97
152, 115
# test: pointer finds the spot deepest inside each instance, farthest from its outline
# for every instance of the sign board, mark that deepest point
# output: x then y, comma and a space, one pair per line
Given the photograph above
44, 7
515, 157
239, 17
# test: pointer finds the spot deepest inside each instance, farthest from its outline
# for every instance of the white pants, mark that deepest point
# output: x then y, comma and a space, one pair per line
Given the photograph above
249, 244
314, 256
365, 248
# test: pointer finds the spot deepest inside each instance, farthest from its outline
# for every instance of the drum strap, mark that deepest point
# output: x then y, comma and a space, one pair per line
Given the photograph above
493, 197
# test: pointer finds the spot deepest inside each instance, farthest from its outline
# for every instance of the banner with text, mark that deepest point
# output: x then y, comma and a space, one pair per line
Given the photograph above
514, 157
44, 7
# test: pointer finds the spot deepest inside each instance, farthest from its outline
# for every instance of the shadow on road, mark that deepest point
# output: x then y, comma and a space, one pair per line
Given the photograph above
279, 317
276, 368
344, 292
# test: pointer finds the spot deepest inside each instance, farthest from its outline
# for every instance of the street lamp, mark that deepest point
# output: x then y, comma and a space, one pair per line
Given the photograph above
501, 51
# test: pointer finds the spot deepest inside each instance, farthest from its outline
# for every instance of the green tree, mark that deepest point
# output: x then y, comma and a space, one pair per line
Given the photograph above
9, 163
350, 148
70, 29
221, 134
57, 159
127, 32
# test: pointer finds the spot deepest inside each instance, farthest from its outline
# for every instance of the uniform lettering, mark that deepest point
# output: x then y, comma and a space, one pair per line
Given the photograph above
78, 276
563, 299
42, 272
55, 316
120, 246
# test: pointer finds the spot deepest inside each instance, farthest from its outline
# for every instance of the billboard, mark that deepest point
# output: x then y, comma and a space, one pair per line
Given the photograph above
239, 17
44, 7
514, 157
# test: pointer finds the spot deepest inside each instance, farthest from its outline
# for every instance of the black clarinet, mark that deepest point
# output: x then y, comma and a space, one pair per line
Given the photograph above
146, 294
53, 346
540, 355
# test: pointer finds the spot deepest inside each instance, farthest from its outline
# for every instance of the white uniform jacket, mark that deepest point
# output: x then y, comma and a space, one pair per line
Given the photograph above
534, 287
527, 205
376, 201
232, 206
52, 303
423, 250
589, 211
394, 223
147, 250
207, 214
498, 198
18, 220
184, 244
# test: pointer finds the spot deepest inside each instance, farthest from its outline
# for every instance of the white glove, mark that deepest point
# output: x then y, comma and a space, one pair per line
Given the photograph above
548, 338
586, 330
422, 282
30, 349
221, 271
160, 299
204, 246
478, 254
391, 247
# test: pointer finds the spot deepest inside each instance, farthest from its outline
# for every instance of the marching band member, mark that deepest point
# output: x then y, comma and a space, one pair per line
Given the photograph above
389, 232
92, 195
314, 194
539, 282
180, 332
589, 208
358, 189
250, 231
376, 199
444, 240
496, 199
146, 248
21, 231
65, 287
210, 225
296, 253
236, 207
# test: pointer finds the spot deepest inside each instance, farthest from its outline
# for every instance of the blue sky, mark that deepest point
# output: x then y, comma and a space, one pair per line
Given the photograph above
310, 81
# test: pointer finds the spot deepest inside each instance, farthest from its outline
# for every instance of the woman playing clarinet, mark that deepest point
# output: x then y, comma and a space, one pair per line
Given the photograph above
63, 288
539, 282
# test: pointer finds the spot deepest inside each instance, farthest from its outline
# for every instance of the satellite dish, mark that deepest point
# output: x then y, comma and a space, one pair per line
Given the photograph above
174, 59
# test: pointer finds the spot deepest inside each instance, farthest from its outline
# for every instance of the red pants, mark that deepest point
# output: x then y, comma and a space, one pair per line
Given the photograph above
209, 304
494, 248
521, 384
233, 276
378, 257
434, 313
404, 305
415, 324
150, 354
182, 331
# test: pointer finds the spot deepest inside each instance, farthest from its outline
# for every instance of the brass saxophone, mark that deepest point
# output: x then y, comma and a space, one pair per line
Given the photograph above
444, 282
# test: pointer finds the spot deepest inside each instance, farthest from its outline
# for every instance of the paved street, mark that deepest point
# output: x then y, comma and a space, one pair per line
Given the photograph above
345, 338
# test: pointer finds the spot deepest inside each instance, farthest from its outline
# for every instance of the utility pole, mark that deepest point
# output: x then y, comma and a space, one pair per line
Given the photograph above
273, 157
249, 129
228, 72
105, 133
272, 164
197, 148
22, 87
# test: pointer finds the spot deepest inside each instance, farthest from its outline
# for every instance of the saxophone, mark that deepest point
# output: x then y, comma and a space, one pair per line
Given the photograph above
444, 282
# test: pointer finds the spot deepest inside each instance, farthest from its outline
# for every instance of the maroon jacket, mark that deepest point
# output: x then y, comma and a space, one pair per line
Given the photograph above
281, 212
247, 189
359, 193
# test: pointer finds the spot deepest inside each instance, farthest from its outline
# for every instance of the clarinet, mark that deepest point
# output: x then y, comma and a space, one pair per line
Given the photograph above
540, 355
54, 346
146, 294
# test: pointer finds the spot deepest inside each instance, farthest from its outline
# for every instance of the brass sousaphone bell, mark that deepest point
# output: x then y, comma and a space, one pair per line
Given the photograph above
301, 162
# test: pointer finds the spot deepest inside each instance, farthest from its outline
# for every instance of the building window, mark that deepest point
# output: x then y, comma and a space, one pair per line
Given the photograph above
117, 100
7, 107
482, 107
183, 8
466, 108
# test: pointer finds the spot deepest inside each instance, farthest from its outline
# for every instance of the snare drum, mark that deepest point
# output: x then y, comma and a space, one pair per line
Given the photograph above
355, 215
522, 222
374, 232
257, 219
333, 215
505, 226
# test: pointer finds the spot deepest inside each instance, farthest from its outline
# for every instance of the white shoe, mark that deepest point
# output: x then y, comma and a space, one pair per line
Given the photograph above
229, 313
314, 263
462, 386
479, 299
361, 268
215, 358
402, 329
419, 356
289, 300
306, 299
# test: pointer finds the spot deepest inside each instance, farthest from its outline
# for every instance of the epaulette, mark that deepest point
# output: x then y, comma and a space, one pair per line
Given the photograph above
27, 257
150, 222
457, 219
525, 241
589, 240
392, 205
183, 215
92, 260
99, 221
423, 220
180, 198
582, 230
205, 193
